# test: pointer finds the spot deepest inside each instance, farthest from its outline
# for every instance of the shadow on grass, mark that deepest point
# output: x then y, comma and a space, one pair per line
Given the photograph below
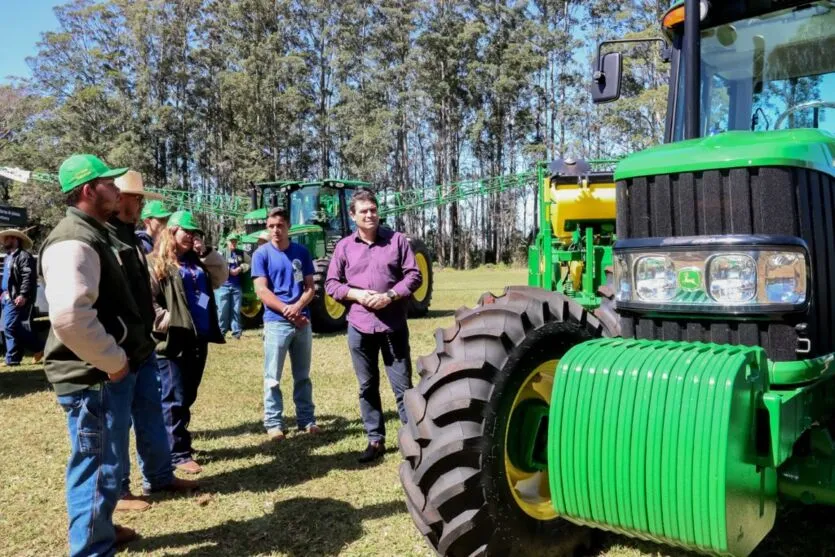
297, 527
15, 382
799, 531
292, 461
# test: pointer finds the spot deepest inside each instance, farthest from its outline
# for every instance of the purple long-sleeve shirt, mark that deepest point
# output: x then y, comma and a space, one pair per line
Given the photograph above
387, 264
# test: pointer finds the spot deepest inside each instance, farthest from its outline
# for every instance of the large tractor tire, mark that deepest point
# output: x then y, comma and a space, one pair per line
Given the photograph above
422, 297
326, 314
463, 487
252, 314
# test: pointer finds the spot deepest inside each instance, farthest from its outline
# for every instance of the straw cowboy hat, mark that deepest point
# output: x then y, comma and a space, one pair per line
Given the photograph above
131, 182
25, 241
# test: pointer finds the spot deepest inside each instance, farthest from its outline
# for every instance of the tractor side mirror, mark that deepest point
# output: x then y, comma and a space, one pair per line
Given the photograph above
607, 78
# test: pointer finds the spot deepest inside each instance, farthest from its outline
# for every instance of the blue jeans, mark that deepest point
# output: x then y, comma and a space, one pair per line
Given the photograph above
228, 300
17, 332
152, 449
281, 337
98, 423
179, 378
365, 351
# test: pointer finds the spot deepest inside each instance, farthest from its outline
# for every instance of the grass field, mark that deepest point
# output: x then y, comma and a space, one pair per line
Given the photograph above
304, 497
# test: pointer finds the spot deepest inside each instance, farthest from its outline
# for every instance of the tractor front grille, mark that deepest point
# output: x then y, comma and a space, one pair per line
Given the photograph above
765, 200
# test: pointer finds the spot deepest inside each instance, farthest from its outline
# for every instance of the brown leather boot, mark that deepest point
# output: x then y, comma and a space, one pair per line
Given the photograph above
124, 534
177, 485
132, 504
189, 467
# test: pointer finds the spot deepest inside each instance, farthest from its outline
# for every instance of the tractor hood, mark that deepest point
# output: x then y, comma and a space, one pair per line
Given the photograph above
805, 148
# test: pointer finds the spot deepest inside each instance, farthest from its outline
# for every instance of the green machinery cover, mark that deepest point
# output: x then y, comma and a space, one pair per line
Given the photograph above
804, 148
653, 440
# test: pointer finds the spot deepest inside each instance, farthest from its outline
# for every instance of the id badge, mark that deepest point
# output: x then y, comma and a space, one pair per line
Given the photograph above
203, 301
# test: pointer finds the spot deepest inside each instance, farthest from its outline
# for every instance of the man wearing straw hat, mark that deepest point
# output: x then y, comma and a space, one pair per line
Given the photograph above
20, 285
96, 343
153, 451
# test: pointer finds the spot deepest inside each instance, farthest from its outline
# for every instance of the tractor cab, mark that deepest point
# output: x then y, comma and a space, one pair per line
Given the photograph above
318, 211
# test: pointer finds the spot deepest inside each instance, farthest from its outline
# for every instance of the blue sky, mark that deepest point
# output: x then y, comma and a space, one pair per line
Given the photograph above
21, 25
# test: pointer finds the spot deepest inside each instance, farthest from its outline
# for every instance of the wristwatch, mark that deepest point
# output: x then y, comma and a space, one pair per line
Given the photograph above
392, 295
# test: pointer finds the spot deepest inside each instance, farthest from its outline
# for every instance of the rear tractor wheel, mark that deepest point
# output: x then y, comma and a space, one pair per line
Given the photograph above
475, 471
422, 297
326, 314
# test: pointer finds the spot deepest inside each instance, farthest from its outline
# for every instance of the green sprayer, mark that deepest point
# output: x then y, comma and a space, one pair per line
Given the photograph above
670, 380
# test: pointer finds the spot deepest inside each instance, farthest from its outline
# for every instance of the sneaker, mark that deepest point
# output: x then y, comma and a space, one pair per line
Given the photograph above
37, 357
312, 429
374, 450
276, 434
177, 485
124, 534
189, 467
132, 504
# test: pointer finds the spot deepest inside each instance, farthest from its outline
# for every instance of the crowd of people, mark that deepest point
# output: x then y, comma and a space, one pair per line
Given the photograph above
136, 295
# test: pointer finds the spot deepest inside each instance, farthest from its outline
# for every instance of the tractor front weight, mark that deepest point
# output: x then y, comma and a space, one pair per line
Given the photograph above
688, 444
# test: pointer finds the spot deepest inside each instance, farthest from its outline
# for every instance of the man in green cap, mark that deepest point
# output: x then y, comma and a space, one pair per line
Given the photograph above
154, 216
230, 293
97, 339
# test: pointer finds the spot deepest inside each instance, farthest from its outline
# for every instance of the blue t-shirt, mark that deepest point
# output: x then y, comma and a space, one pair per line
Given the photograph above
196, 285
285, 272
234, 259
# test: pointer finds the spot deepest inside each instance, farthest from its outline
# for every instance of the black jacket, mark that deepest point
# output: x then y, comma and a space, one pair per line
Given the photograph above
23, 279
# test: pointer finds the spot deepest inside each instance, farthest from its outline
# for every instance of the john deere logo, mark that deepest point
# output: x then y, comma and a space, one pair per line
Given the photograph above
690, 280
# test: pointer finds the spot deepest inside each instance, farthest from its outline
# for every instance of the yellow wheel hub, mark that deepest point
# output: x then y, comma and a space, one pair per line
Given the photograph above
531, 491
335, 309
420, 294
251, 309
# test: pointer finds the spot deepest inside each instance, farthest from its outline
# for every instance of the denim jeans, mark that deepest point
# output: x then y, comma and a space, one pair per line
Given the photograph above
98, 423
179, 378
281, 337
365, 351
152, 449
228, 300
17, 333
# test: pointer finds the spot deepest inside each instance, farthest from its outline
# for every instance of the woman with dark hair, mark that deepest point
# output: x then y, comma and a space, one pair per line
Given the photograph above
186, 321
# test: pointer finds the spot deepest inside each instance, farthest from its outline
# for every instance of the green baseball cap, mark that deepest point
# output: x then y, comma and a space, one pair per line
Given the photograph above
184, 220
232, 236
80, 169
155, 210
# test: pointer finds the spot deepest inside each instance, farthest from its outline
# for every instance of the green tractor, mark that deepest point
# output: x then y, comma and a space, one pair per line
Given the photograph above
319, 219
707, 396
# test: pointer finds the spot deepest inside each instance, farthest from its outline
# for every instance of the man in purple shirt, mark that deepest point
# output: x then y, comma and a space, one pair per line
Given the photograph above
374, 271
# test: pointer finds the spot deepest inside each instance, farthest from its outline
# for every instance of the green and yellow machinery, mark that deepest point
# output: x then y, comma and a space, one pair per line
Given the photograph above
319, 219
680, 397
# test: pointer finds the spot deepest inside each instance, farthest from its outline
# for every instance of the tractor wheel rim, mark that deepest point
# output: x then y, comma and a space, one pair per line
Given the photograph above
531, 491
423, 265
251, 309
335, 309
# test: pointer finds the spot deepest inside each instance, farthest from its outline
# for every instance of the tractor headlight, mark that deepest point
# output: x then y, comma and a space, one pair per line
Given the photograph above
723, 274
655, 278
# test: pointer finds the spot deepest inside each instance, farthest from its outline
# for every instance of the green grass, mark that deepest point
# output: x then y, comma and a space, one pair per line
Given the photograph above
304, 497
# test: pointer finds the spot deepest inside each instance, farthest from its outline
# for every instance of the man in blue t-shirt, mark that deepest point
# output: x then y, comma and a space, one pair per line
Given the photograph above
283, 274
229, 294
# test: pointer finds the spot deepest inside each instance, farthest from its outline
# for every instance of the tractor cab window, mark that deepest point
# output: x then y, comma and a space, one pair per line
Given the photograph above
316, 205
774, 71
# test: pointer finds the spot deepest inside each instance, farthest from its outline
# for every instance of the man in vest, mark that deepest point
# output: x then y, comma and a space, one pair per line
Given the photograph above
97, 341
153, 453
230, 293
